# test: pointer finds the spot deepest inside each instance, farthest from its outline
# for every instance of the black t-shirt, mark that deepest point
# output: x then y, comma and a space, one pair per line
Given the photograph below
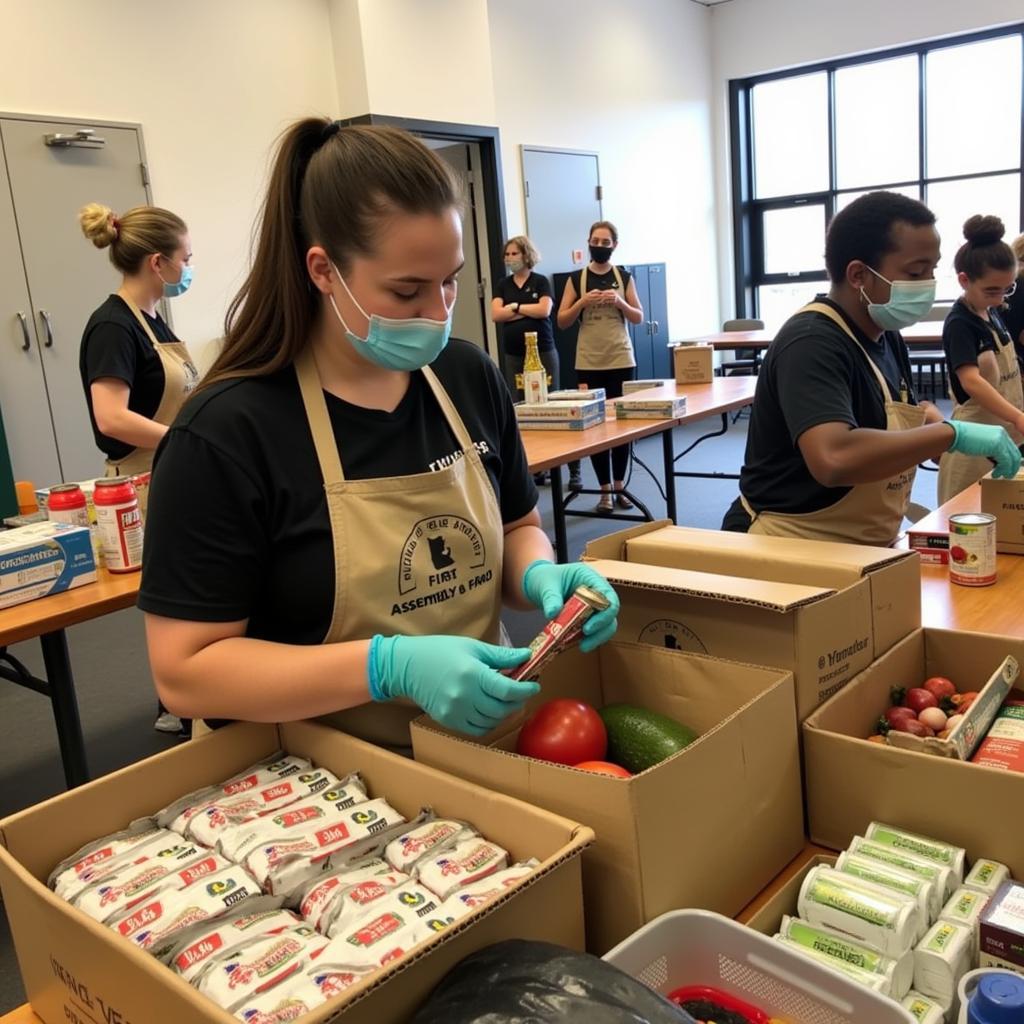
601, 282
964, 337
115, 345
813, 374
237, 525
513, 333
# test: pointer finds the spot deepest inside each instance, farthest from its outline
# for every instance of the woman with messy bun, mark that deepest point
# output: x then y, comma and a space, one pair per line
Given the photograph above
984, 372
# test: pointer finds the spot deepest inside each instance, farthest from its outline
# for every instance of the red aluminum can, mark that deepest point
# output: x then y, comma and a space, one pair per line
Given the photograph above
119, 523
66, 504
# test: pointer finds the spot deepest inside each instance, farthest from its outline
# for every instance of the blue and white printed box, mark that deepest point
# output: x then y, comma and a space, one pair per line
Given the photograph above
629, 387
44, 558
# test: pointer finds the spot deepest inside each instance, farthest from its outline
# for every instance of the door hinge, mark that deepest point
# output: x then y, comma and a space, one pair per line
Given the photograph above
480, 289
599, 192
526, 188
144, 174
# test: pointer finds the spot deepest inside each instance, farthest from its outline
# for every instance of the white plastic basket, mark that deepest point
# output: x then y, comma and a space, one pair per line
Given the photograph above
696, 947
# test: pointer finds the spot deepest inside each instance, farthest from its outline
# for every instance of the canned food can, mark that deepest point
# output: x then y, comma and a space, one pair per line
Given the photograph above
972, 549
67, 505
564, 630
119, 523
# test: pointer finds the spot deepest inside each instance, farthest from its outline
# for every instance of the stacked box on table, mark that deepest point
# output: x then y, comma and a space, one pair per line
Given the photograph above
75, 968
577, 394
44, 558
629, 387
671, 407
1005, 500
560, 415
693, 364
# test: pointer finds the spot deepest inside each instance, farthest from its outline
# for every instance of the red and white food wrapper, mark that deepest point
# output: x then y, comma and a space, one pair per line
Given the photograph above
169, 911
441, 834
360, 901
116, 893
315, 901
207, 825
468, 862
235, 977
465, 900
194, 947
100, 858
176, 816
292, 998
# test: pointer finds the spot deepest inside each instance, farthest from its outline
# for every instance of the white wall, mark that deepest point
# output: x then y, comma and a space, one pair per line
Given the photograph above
631, 82
749, 37
212, 83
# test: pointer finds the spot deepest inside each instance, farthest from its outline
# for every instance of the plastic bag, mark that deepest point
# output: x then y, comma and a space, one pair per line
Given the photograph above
522, 982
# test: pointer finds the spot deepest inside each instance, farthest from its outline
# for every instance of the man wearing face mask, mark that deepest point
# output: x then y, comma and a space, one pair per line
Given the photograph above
836, 432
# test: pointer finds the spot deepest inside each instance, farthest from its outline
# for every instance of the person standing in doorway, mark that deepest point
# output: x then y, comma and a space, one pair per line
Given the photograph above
522, 305
984, 372
135, 372
603, 297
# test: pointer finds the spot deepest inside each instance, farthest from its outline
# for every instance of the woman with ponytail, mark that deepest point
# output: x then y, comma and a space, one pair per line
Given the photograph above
984, 372
344, 505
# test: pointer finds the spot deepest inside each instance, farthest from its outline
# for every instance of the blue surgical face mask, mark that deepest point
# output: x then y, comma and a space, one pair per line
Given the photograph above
179, 287
908, 302
408, 344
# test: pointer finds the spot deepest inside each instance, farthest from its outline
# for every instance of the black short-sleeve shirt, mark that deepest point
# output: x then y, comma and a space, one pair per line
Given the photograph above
1013, 317
813, 374
601, 282
115, 345
513, 333
964, 337
237, 526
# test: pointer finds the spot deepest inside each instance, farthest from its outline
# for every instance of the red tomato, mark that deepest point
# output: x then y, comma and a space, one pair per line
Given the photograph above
918, 699
604, 768
939, 687
565, 732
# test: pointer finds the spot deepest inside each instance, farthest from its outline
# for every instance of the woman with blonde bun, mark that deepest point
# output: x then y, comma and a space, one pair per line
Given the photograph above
135, 372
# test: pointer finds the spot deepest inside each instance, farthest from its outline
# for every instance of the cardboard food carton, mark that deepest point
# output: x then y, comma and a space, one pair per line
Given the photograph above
822, 611
1005, 500
651, 405
629, 387
1001, 930
44, 558
707, 828
76, 969
851, 782
561, 415
693, 364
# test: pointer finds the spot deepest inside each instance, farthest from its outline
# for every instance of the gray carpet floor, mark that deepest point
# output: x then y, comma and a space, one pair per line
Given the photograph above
115, 690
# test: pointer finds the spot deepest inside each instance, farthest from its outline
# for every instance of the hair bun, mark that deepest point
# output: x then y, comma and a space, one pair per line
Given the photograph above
982, 230
99, 224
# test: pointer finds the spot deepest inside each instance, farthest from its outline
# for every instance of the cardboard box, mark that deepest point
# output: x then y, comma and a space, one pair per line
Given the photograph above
577, 395
44, 558
693, 364
822, 611
931, 545
1001, 929
75, 969
768, 915
708, 827
1005, 500
640, 408
629, 387
560, 414
851, 782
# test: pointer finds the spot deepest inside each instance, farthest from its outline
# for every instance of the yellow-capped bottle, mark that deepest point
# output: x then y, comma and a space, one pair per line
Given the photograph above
535, 377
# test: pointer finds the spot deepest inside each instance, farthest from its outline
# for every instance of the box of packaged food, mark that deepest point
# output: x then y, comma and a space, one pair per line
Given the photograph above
1001, 932
650, 405
931, 545
693, 364
629, 387
577, 395
44, 558
1005, 500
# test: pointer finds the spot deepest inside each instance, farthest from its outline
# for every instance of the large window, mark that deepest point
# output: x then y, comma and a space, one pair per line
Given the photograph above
940, 122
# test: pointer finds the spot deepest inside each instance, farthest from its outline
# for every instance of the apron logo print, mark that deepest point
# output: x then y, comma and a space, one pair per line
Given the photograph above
450, 544
673, 636
440, 553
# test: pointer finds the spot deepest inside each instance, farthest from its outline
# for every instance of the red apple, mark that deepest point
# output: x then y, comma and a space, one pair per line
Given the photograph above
939, 687
918, 698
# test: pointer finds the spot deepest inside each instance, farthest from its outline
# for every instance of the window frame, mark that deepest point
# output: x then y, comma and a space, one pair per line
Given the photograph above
748, 212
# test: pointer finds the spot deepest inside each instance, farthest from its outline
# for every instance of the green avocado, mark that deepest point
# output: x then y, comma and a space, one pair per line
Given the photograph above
638, 739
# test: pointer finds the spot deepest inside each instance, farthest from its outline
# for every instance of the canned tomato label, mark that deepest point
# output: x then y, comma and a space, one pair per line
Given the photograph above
972, 549
67, 505
119, 524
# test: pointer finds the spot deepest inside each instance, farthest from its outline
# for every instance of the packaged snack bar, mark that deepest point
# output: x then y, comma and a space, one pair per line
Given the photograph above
389, 932
364, 899
298, 995
943, 877
465, 900
94, 857
468, 862
875, 982
317, 901
412, 846
890, 877
931, 849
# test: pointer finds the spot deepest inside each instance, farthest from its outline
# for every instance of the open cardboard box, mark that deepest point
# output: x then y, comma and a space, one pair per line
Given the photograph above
823, 611
1005, 500
708, 827
851, 782
768, 915
75, 969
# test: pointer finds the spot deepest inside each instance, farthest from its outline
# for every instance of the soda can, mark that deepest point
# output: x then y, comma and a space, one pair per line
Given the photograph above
972, 549
564, 630
119, 523
67, 504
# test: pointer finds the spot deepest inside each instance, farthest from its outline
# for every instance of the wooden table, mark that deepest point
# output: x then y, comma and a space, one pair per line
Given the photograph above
927, 334
945, 605
552, 449
22, 1015
47, 618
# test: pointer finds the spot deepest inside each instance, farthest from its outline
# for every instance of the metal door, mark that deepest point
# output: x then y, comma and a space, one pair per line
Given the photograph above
562, 189
23, 401
656, 314
67, 277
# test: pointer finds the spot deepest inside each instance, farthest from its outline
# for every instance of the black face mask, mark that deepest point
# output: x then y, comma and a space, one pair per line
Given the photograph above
600, 253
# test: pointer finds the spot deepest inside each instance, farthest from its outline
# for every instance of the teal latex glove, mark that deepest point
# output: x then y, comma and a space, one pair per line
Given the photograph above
453, 678
990, 441
548, 586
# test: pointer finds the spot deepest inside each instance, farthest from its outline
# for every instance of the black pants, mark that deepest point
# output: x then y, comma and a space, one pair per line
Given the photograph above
612, 465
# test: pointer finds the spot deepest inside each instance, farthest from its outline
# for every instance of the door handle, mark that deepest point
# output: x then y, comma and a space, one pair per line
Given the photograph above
49, 328
650, 326
657, 326
27, 341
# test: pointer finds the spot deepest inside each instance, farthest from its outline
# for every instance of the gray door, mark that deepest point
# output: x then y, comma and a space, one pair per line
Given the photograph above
67, 277
23, 402
562, 191
468, 316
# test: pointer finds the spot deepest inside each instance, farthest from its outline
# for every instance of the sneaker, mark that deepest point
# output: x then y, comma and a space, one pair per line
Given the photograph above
575, 482
167, 723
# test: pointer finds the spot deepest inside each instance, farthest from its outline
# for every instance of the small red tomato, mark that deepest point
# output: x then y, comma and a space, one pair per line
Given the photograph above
957, 553
604, 768
894, 715
939, 687
564, 731
918, 699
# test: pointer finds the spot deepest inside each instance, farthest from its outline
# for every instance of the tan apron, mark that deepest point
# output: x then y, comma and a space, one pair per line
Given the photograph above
180, 378
603, 342
414, 555
867, 513
957, 471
